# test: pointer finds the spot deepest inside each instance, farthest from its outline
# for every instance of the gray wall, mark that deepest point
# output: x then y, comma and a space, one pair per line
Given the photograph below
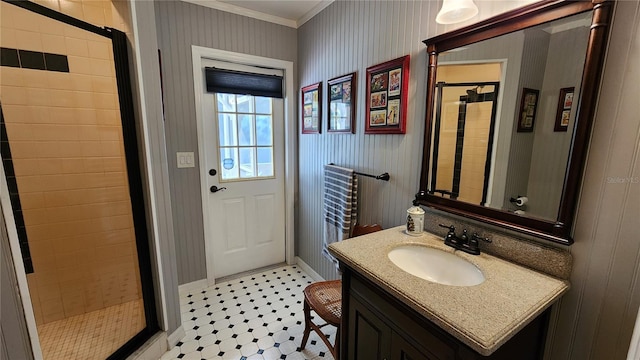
532, 69
351, 36
14, 339
595, 319
179, 26
551, 148
597, 315
148, 103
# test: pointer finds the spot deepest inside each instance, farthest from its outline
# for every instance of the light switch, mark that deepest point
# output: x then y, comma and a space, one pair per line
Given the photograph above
185, 160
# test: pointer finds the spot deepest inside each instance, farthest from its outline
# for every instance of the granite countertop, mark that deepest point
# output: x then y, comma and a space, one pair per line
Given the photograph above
483, 316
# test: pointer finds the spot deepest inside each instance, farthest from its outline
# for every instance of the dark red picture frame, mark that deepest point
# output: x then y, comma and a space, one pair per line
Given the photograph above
311, 109
528, 109
387, 88
341, 95
563, 114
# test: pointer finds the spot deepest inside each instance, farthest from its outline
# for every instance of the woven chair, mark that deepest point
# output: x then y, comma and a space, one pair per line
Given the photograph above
325, 298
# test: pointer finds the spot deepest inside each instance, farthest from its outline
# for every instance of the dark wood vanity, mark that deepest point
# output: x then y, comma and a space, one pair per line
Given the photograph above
378, 326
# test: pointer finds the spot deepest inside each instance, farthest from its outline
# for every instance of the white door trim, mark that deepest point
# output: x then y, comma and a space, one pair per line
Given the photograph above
198, 53
21, 274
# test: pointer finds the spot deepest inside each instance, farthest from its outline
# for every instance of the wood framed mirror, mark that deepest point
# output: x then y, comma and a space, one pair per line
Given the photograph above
492, 151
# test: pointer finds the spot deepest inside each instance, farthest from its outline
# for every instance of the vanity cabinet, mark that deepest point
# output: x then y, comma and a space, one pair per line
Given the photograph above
377, 326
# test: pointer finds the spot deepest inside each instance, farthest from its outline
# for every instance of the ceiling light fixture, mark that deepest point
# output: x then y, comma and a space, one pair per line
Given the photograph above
455, 11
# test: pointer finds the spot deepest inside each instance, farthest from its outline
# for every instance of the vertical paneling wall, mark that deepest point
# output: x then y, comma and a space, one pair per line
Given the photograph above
181, 25
551, 148
597, 315
534, 60
351, 36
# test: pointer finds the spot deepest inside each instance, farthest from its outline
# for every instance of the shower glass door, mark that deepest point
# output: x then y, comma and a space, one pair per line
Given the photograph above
72, 171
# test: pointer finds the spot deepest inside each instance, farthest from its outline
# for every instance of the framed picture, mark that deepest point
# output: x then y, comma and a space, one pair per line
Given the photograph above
387, 87
312, 109
528, 108
563, 115
341, 92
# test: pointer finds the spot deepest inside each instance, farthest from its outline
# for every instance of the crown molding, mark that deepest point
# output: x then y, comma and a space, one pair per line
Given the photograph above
230, 8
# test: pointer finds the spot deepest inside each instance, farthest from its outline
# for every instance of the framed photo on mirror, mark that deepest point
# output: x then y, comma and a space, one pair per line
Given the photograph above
387, 87
528, 109
341, 92
311, 110
563, 115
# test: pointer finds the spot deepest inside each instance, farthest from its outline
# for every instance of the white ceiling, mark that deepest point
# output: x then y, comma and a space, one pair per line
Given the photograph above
292, 13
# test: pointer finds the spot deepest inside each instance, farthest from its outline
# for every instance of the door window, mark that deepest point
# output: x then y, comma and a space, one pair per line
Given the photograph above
245, 137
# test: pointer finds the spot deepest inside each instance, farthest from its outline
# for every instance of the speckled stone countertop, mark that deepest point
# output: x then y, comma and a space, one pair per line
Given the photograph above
483, 316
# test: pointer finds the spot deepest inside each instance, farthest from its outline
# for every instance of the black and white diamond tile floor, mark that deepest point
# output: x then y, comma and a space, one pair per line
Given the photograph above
255, 317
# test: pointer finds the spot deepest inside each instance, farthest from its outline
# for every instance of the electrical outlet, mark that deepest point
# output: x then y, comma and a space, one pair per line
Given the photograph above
185, 160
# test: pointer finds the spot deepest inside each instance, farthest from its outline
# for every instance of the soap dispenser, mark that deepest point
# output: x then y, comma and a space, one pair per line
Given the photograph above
415, 221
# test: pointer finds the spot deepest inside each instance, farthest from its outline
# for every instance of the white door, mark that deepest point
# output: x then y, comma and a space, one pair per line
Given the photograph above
244, 144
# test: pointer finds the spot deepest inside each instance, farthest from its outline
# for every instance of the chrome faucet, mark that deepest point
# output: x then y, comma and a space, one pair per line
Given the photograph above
464, 242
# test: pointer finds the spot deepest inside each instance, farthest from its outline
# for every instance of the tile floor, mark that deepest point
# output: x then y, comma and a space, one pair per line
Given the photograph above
93, 335
257, 316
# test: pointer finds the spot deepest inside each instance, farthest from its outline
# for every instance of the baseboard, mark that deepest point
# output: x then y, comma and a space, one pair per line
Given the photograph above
193, 286
154, 348
306, 268
175, 336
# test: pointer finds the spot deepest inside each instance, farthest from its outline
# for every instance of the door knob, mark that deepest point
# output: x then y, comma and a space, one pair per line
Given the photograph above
213, 172
215, 189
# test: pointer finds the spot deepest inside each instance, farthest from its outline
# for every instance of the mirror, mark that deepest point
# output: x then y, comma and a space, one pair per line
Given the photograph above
510, 102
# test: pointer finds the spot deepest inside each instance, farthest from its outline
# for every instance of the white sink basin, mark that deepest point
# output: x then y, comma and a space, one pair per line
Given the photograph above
436, 265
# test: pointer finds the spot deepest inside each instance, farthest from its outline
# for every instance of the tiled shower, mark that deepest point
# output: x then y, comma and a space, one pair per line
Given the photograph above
63, 155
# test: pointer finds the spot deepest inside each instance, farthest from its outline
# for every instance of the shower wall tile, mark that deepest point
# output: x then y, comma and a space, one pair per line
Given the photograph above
66, 141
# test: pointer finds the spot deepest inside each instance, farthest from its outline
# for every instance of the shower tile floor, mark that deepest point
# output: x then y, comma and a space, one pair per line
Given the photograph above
94, 335
254, 317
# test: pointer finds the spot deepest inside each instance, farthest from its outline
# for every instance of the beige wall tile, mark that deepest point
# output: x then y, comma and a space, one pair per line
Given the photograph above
108, 117
76, 47
101, 84
15, 113
60, 115
7, 15
40, 97
73, 302
113, 164
93, 165
15, 76
101, 67
104, 100
24, 167
86, 116
19, 132
24, 150
13, 95
71, 8
111, 148
84, 99
50, 166
52, 309
79, 65
100, 50
94, 13
51, 4
32, 201
29, 40
33, 79
8, 38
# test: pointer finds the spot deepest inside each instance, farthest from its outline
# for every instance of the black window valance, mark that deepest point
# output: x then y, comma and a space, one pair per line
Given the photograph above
243, 83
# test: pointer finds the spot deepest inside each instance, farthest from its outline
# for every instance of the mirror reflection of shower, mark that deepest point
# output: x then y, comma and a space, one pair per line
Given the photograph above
464, 122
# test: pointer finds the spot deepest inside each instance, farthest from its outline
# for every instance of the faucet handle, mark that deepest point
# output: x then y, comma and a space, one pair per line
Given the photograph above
476, 237
450, 227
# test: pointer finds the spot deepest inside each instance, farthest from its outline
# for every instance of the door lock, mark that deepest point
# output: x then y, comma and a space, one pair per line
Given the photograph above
213, 172
215, 189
